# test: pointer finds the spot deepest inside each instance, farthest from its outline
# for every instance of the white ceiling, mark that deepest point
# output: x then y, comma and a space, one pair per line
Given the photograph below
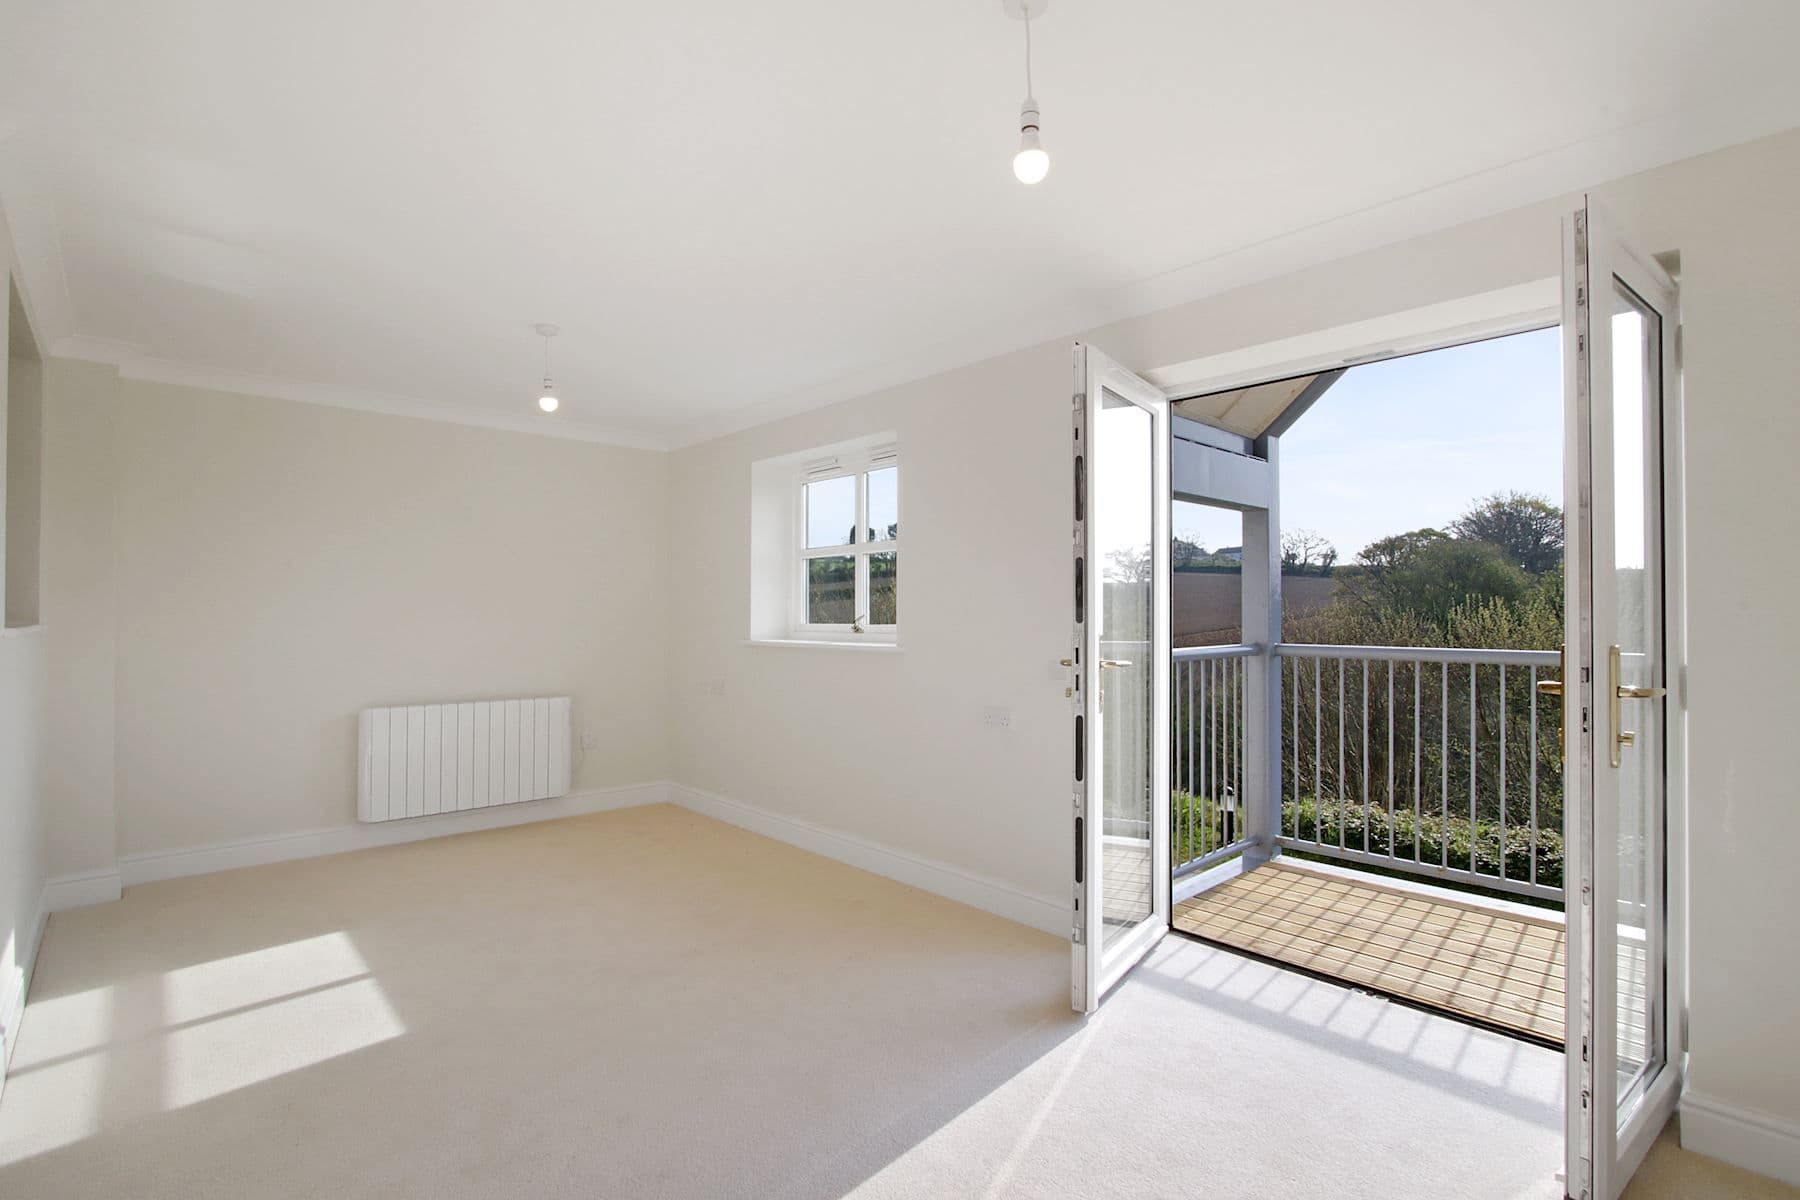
737, 210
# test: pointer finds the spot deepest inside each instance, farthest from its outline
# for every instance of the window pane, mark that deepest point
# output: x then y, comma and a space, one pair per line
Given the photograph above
884, 504
831, 512
830, 590
884, 589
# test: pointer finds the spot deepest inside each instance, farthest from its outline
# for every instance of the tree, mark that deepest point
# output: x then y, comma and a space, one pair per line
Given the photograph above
1429, 573
1304, 551
1527, 529
1127, 566
1183, 551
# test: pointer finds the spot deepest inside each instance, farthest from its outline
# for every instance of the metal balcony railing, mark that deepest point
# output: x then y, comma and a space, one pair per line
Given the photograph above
1207, 805
1436, 762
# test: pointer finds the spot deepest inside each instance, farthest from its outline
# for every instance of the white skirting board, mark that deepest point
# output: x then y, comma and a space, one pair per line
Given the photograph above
81, 889
953, 883
96, 887
1742, 1137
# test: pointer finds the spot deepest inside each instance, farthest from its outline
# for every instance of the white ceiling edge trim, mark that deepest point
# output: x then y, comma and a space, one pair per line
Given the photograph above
1564, 171
1428, 327
132, 363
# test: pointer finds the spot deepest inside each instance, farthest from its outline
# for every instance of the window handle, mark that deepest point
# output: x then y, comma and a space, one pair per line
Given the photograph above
856, 626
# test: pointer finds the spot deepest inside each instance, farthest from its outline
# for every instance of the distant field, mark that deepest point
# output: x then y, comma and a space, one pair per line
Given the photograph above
1206, 606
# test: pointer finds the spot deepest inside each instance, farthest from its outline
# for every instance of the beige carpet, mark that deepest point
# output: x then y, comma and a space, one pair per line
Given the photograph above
650, 1004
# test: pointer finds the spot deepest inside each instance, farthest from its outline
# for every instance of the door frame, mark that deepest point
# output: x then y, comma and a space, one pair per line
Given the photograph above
1595, 1156
1477, 317
1096, 968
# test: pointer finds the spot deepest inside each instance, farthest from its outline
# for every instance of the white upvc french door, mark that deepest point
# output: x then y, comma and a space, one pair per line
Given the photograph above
1120, 667
1625, 732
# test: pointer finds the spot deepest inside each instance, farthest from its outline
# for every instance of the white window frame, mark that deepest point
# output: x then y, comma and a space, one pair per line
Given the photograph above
823, 471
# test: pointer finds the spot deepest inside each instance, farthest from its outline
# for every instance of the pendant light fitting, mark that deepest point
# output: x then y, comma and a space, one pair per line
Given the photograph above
1032, 162
547, 401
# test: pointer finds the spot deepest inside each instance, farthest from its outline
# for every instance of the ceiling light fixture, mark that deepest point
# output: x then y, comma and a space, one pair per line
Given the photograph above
547, 401
1032, 162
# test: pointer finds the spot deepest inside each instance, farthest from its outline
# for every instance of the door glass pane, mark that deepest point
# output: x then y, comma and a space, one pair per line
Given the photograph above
884, 504
1637, 566
884, 589
831, 512
1123, 449
831, 590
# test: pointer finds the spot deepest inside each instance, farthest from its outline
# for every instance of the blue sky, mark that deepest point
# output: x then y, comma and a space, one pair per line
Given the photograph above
1412, 442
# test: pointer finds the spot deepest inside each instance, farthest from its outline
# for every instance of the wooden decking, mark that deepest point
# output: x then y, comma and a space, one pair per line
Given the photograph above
1437, 950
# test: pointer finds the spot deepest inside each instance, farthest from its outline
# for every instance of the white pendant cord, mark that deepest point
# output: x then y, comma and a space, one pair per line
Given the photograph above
1029, 91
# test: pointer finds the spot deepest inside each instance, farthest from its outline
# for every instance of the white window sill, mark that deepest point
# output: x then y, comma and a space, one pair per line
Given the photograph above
823, 644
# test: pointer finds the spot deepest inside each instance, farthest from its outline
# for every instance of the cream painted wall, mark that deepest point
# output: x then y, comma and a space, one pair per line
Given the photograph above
79, 602
275, 567
892, 748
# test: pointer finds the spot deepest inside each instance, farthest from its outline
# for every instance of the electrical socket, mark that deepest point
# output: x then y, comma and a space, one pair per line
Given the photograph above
996, 717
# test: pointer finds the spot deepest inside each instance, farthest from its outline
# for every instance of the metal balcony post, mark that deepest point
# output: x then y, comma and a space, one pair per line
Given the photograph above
1261, 802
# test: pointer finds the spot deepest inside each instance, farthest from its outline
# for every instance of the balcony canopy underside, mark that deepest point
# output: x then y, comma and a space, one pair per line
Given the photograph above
1260, 408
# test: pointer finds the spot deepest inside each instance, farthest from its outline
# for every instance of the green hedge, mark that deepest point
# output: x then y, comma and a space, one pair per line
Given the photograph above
1305, 820
1199, 827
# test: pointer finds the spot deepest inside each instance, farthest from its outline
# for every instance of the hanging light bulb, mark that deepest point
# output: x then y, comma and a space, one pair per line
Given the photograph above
547, 401
1032, 162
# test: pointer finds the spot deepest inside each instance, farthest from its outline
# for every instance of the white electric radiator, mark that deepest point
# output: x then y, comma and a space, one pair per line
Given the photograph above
419, 759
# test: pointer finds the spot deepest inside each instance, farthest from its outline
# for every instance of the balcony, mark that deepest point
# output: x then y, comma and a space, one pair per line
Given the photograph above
1405, 833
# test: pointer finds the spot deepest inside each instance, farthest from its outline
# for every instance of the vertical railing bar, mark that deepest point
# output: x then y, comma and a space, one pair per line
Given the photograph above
1444, 765
1390, 756
1232, 747
1282, 823
1222, 748
1418, 672
1243, 672
1212, 752
1178, 685
1318, 753
1193, 792
1230, 671
1237, 745
1341, 771
1534, 775
1176, 670
1502, 770
1205, 745
1365, 755
1473, 759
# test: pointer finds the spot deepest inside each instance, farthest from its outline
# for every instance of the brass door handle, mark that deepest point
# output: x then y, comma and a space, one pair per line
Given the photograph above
1627, 692
1623, 691
1115, 662
1550, 687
